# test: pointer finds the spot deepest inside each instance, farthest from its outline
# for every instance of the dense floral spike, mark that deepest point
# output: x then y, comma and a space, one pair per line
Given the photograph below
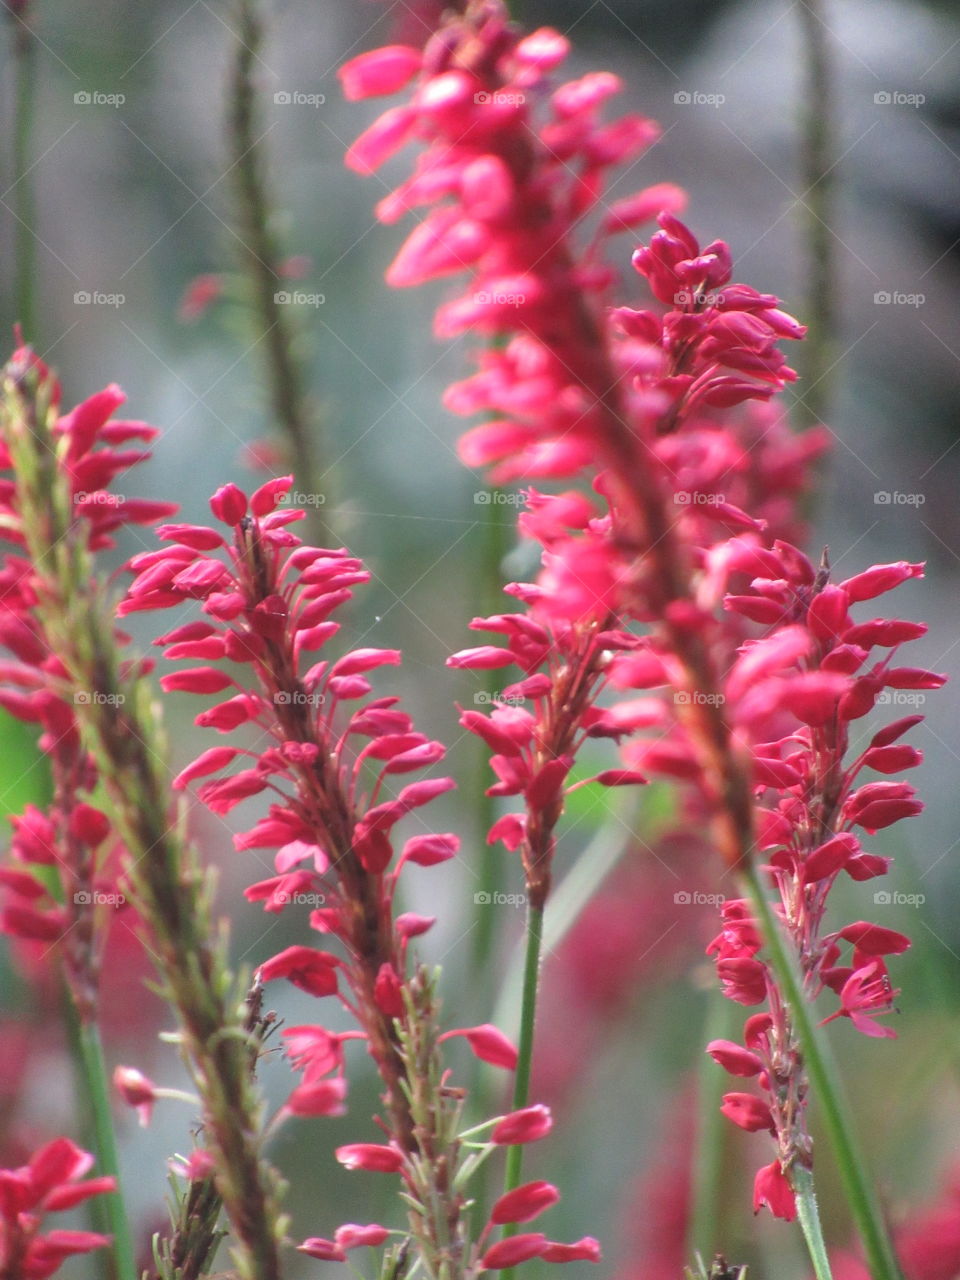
71, 835
337, 762
53, 1181
795, 695
57, 463
639, 401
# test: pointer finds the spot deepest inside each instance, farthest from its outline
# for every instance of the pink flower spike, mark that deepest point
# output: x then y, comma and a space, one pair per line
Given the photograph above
880, 579
353, 1236
867, 994
748, 1111
229, 504
382, 71
585, 1250
270, 495
734, 1058
490, 1045
318, 1098
514, 1250
198, 1165
771, 1188
524, 1203
312, 971
529, 1124
137, 1090
429, 851
211, 761
323, 1250
485, 657
370, 1156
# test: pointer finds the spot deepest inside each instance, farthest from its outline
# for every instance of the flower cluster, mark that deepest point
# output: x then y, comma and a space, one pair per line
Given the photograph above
72, 836
50, 1182
665, 411
92, 701
796, 695
508, 189
337, 758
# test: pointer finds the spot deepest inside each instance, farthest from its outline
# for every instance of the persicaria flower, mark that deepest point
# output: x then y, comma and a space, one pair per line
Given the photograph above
52, 1181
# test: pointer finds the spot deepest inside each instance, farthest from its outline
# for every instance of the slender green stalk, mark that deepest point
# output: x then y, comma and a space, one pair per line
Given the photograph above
24, 56
704, 1224
810, 1222
93, 1072
826, 1087
484, 935
817, 175
528, 1021
260, 258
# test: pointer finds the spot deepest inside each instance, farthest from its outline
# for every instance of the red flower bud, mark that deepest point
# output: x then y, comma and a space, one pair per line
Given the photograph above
524, 1203
526, 1125
370, 1156
514, 1250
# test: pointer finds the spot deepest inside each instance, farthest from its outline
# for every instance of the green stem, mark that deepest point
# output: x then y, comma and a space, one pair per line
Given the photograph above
703, 1230
528, 1020
260, 258
810, 1222
93, 1071
492, 551
24, 252
826, 1087
817, 166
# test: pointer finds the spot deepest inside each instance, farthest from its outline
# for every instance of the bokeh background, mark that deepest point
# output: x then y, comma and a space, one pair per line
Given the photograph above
133, 201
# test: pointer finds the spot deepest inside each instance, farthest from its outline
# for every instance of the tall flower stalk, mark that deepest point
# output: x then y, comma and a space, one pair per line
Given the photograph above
332, 759
260, 257
61, 512
647, 393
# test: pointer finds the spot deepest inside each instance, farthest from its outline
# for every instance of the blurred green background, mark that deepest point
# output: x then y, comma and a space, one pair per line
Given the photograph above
133, 202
